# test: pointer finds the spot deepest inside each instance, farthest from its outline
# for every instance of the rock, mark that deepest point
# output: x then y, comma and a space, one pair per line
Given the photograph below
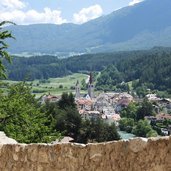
6, 140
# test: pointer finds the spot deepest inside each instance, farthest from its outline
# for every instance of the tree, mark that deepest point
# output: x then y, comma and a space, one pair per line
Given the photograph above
22, 119
130, 111
146, 109
67, 100
68, 122
144, 129
97, 131
141, 91
4, 34
109, 78
112, 133
83, 84
126, 124
66, 118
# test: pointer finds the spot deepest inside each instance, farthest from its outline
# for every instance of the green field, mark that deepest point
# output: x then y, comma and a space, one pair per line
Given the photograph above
55, 86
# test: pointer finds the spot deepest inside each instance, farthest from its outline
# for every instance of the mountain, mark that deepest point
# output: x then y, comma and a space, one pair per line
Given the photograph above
141, 26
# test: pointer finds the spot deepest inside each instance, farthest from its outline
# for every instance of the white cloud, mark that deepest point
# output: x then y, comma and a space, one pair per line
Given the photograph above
87, 14
12, 4
12, 10
32, 16
133, 2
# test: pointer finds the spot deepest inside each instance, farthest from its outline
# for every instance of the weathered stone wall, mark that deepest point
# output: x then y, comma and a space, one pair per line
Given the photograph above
134, 155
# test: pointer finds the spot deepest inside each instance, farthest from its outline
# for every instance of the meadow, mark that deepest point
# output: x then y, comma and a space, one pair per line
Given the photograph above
54, 86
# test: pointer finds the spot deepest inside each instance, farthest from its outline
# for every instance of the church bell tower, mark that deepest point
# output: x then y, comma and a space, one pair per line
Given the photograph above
77, 90
91, 87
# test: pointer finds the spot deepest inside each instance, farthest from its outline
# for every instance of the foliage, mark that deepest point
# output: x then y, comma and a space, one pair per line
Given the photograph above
133, 119
126, 124
140, 67
143, 68
66, 118
109, 78
68, 122
146, 109
83, 84
130, 111
123, 87
37, 67
67, 100
61, 86
97, 131
144, 129
141, 91
22, 119
4, 34
138, 111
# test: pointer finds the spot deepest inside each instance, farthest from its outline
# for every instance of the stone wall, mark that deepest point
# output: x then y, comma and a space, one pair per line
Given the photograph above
6, 140
134, 155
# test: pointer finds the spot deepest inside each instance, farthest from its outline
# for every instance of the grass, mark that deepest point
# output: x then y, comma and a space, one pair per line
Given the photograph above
53, 85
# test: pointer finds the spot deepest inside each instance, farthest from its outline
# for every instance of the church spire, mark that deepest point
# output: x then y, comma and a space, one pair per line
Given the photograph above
77, 83
77, 90
91, 78
91, 86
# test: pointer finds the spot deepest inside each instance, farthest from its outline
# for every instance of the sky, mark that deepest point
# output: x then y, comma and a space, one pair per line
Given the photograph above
26, 12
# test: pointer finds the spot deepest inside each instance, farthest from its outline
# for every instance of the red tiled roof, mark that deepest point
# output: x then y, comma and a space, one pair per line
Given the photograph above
84, 102
163, 116
124, 102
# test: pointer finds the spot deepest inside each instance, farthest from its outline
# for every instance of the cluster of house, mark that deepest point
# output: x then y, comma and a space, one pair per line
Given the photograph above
161, 103
164, 105
105, 105
108, 105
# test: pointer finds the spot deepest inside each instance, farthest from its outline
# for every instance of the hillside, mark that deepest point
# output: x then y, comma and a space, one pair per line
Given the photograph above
141, 26
151, 67
148, 70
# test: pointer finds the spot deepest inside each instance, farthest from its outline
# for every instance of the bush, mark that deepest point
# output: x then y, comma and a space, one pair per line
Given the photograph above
60, 86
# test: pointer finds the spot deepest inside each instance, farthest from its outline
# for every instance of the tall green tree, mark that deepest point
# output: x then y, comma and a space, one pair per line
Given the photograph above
109, 77
67, 100
126, 124
22, 119
4, 34
66, 118
97, 131
83, 84
144, 129
146, 109
130, 111
68, 122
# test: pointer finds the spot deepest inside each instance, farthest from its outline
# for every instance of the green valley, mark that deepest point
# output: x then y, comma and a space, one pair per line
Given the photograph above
146, 69
55, 86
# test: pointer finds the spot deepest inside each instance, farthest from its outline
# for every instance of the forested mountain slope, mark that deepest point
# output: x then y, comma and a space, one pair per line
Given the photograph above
141, 26
150, 67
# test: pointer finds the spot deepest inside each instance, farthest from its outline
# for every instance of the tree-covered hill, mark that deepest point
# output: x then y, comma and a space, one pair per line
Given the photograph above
151, 67
151, 70
43, 67
37, 67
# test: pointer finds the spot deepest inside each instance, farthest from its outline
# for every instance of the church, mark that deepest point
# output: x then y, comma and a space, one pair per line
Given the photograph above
90, 94
85, 103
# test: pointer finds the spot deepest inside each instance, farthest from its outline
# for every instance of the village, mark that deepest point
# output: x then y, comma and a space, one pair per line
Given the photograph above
108, 105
